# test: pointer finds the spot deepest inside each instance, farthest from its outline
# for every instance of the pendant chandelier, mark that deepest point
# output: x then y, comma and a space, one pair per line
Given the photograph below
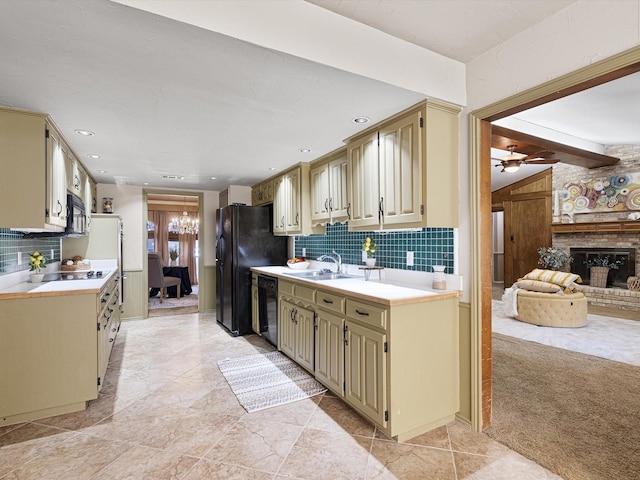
185, 223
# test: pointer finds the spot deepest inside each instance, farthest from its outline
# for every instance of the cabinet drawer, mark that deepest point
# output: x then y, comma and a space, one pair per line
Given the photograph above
330, 301
374, 316
285, 288
305, 293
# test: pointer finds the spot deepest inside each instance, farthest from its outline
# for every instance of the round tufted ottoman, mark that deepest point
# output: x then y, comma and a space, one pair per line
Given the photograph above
551, 309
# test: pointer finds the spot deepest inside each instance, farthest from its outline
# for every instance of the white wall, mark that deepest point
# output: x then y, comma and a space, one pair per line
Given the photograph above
128, 202
581, 34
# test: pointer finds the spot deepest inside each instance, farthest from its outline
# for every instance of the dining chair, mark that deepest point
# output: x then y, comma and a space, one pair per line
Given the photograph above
157, 278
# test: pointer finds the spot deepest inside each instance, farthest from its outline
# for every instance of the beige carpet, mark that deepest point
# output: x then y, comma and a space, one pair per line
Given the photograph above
577, 415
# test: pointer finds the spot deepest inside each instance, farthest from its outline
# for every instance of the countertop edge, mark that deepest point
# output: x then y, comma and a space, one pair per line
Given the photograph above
58, 293
418, 298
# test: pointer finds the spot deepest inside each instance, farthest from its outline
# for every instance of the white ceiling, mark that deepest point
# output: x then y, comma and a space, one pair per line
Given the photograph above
164, 97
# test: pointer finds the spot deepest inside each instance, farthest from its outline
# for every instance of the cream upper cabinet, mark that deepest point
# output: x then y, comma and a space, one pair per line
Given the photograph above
74, 172
320, 194
262, 193
403, 173
279, 206
364, 187
329, 198
291, 202
400, 165
56, 179
87, 198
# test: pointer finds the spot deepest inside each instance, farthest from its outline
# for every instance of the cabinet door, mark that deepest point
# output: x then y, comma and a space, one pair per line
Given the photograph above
255, 310
94, 197
338, 191
267, 192
330, 351
56, 180
279, 206
72, 169
88, 200
320, 194
305, 335
365, 371
286, 330
363, 177
401, 171
256, 195
293, 189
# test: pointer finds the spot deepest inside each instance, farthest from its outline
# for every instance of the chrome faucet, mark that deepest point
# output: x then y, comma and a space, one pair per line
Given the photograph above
337, 259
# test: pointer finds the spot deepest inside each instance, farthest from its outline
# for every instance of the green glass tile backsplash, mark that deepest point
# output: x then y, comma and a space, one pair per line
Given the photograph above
430, 246
12, 243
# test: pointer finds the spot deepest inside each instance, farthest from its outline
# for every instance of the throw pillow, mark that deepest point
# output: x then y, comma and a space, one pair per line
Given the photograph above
538, 286
563, 279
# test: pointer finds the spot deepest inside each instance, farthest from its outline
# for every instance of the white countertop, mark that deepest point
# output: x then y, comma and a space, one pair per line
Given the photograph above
61, 287
373, 290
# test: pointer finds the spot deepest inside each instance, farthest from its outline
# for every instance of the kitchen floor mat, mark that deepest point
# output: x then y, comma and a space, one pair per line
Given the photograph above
268, 380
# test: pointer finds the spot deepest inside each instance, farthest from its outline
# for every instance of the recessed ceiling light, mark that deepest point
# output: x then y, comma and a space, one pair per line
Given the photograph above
304, 150
272, 168
173, 177
146, 183
102, 171
360, 120
94, 156
86, 133
214, 178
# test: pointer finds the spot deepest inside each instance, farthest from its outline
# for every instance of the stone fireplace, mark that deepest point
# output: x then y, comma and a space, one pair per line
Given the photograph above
617, 278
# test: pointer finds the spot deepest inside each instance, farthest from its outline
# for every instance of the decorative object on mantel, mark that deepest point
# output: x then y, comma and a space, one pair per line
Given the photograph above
439, 282
552, 258
369, 246
173, 255
36, 262
599, 270
633, 283
607, 194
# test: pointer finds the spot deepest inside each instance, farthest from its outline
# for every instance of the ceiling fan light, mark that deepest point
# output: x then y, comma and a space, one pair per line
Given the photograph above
511, 168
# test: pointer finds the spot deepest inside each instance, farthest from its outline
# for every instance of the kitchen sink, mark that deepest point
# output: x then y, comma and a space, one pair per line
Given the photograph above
320, 275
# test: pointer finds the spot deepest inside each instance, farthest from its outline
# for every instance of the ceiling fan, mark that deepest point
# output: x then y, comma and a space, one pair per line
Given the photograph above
511, 163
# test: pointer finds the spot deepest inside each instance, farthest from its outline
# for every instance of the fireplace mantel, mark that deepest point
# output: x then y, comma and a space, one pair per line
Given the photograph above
593, 227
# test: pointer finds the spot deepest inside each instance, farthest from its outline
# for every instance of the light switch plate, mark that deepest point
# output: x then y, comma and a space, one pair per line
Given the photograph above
410, 259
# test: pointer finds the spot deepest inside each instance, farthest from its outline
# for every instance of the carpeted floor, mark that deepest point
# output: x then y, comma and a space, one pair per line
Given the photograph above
575, 414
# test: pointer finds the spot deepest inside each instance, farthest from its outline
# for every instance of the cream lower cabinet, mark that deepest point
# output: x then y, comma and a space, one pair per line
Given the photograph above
255, 305
108, 325
296, 323
397, 365
366, 362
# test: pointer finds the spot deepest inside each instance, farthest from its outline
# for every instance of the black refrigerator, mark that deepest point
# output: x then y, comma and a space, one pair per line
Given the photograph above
244, 239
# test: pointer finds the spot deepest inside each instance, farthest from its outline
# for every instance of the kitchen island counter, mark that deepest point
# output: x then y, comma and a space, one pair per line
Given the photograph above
386, 293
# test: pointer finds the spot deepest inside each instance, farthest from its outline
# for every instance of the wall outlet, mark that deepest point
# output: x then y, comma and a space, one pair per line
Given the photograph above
19, 258
304, 252
53, 254
409, 259
364, 256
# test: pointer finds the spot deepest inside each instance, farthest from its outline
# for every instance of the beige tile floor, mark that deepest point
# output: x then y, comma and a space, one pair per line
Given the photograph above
166, 412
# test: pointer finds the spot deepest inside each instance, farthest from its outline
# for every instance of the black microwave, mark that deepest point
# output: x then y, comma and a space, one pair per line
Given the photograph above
76, 217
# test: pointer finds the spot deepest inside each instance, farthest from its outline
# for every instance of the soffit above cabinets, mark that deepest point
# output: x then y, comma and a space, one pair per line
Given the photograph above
502, 137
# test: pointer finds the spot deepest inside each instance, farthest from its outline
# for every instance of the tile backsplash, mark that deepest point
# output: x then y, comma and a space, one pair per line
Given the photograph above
430, 246
12, 243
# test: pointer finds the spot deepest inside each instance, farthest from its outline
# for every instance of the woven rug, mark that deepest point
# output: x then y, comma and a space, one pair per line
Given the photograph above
268, 380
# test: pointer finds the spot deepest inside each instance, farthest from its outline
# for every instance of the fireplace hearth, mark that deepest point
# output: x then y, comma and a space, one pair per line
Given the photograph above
617, 278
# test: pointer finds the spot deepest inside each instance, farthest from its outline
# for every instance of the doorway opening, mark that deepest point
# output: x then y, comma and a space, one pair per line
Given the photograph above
173, 235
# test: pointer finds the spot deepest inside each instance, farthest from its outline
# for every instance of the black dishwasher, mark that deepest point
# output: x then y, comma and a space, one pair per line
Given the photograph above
268, 307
